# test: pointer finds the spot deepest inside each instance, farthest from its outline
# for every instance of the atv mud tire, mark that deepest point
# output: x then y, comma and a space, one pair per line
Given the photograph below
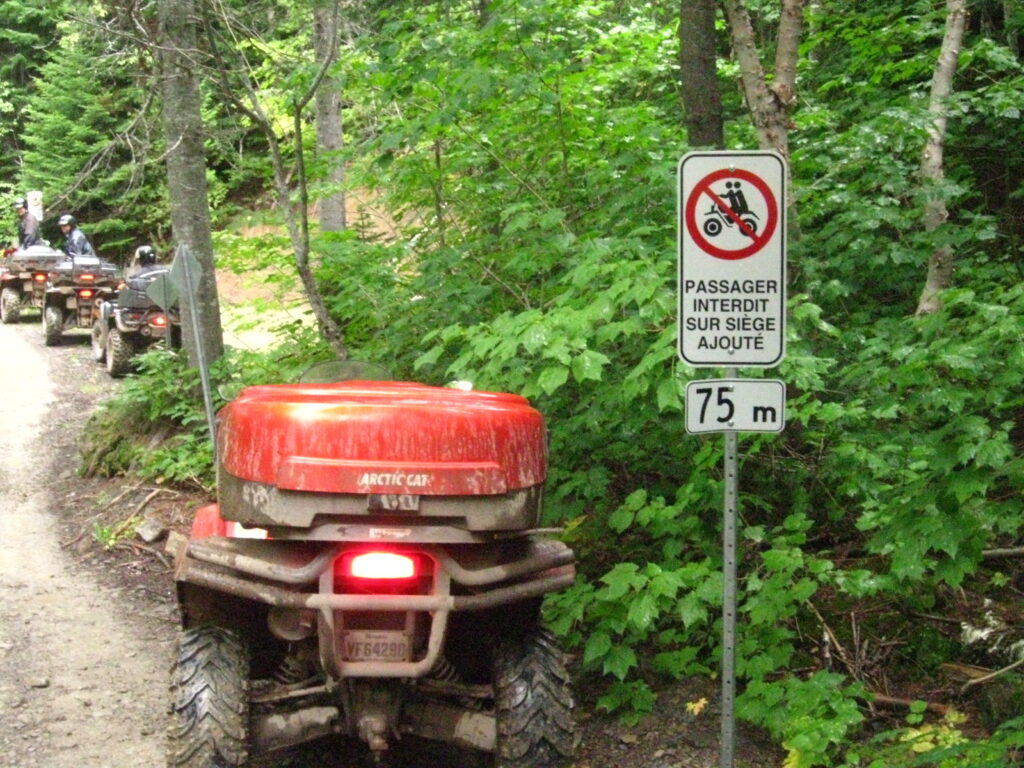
53, 325
533, 703
10, 306
119, 354
209, 701
99, 347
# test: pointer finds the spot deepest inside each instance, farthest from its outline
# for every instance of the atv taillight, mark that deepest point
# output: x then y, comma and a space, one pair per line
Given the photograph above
381, 565
86, 277
158, 320
86, 294
39, 277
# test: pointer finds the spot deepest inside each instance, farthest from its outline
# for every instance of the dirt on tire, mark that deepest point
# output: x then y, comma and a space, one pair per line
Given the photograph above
10, 306
118, 354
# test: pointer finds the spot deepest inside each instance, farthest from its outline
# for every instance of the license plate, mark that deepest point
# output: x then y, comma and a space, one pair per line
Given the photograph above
363, 645
394, 502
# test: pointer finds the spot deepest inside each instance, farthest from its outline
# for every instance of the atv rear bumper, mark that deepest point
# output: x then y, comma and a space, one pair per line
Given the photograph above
296, 579
244, 567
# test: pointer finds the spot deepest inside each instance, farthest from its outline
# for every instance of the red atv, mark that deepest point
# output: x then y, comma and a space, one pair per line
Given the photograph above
373, 568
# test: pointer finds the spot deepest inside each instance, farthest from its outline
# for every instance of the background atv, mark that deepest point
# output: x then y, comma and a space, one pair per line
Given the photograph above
23, 277
372, 569
75, 290
131, 322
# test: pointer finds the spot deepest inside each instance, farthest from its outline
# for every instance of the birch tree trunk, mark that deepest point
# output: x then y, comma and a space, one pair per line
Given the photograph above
698, 74
770, 105
330, 136
186, 171
940, 264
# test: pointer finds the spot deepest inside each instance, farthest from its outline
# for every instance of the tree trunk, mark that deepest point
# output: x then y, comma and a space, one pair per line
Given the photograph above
1011, 27
186, 171
698, 74
330, 137
243, 92
298, 231
940, 265
770, 107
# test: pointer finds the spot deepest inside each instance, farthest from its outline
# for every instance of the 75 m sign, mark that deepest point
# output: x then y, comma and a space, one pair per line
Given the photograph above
735, 405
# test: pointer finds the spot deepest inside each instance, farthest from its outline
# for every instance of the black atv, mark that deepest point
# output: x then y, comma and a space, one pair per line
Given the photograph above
131, 322
23, 277
75, 290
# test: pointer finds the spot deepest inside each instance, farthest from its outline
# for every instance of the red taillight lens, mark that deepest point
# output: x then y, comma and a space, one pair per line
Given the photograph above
382, 565
158, 320
86, 294
86, 277
39, 277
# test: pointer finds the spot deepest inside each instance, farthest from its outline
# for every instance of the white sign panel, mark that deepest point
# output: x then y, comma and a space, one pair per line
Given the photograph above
732, 259
735, 405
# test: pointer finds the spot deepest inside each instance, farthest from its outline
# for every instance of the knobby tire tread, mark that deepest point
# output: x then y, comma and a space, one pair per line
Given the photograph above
53, 325
10, 306
99, 347
533, 702
119, 354
210, 701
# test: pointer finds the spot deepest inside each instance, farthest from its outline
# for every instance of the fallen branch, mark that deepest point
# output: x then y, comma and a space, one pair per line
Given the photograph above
991, 676
121, 495
75, 540
152, 495
892, 702
155, 552
1005, 552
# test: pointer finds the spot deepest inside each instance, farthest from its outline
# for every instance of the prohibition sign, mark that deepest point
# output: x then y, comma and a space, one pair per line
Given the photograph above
757, 239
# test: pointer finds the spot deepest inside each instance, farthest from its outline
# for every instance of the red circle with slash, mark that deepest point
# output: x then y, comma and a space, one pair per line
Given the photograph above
757, 239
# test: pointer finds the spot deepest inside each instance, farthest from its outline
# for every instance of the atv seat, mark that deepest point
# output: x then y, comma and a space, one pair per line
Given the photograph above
133, 295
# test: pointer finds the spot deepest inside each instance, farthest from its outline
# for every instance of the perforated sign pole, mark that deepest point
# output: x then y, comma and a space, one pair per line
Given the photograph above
732, 313
729, 595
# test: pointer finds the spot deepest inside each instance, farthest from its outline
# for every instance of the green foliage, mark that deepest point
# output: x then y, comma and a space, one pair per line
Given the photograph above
939, 745
79, 148
109, 536
527, 153
367, 286
27, 29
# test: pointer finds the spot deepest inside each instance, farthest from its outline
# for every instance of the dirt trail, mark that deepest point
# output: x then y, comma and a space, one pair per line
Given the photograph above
82, 680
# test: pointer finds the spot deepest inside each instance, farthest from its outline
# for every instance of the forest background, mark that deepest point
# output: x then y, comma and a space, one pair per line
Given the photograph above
521, 155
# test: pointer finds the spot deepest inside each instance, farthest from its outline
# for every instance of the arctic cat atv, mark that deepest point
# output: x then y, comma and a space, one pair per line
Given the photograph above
75, 290
23, 277
131, 322
373, 569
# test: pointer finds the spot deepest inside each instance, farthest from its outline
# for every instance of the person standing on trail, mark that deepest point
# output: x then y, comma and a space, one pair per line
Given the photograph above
75, 241
28, 226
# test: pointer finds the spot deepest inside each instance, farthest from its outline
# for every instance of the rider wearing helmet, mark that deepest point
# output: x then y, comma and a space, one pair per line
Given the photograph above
146, 256
28, 227
144, 261
75, 241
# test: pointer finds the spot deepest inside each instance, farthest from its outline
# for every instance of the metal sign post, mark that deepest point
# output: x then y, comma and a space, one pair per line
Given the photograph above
729, 559
732, 313
185, 271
